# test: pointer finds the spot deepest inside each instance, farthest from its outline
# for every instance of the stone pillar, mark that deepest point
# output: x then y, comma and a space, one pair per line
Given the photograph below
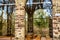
20, 20
56, 18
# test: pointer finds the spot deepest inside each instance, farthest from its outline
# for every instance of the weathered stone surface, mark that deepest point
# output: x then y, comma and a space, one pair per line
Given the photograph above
19, 20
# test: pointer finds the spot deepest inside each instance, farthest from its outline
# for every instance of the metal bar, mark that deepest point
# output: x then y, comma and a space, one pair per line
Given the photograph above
28, 3
38, 2
6, 4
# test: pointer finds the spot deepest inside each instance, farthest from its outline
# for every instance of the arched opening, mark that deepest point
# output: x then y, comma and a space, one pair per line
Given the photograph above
42, 22
40, 15
7, 17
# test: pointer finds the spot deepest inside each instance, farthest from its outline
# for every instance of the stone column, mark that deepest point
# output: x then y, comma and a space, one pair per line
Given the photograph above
20, 20
56, 18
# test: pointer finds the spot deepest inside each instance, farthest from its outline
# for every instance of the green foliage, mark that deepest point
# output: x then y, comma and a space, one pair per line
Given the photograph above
43, 20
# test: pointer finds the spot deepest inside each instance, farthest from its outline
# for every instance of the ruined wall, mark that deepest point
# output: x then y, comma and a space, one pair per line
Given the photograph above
20, 14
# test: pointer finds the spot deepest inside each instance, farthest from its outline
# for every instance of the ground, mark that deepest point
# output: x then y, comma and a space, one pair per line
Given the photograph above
9, 38
6, 38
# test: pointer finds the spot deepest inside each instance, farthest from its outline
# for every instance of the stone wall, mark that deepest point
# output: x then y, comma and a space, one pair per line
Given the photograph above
56, 27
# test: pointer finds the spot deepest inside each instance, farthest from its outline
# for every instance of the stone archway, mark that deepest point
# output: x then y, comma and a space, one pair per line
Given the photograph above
20, 14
